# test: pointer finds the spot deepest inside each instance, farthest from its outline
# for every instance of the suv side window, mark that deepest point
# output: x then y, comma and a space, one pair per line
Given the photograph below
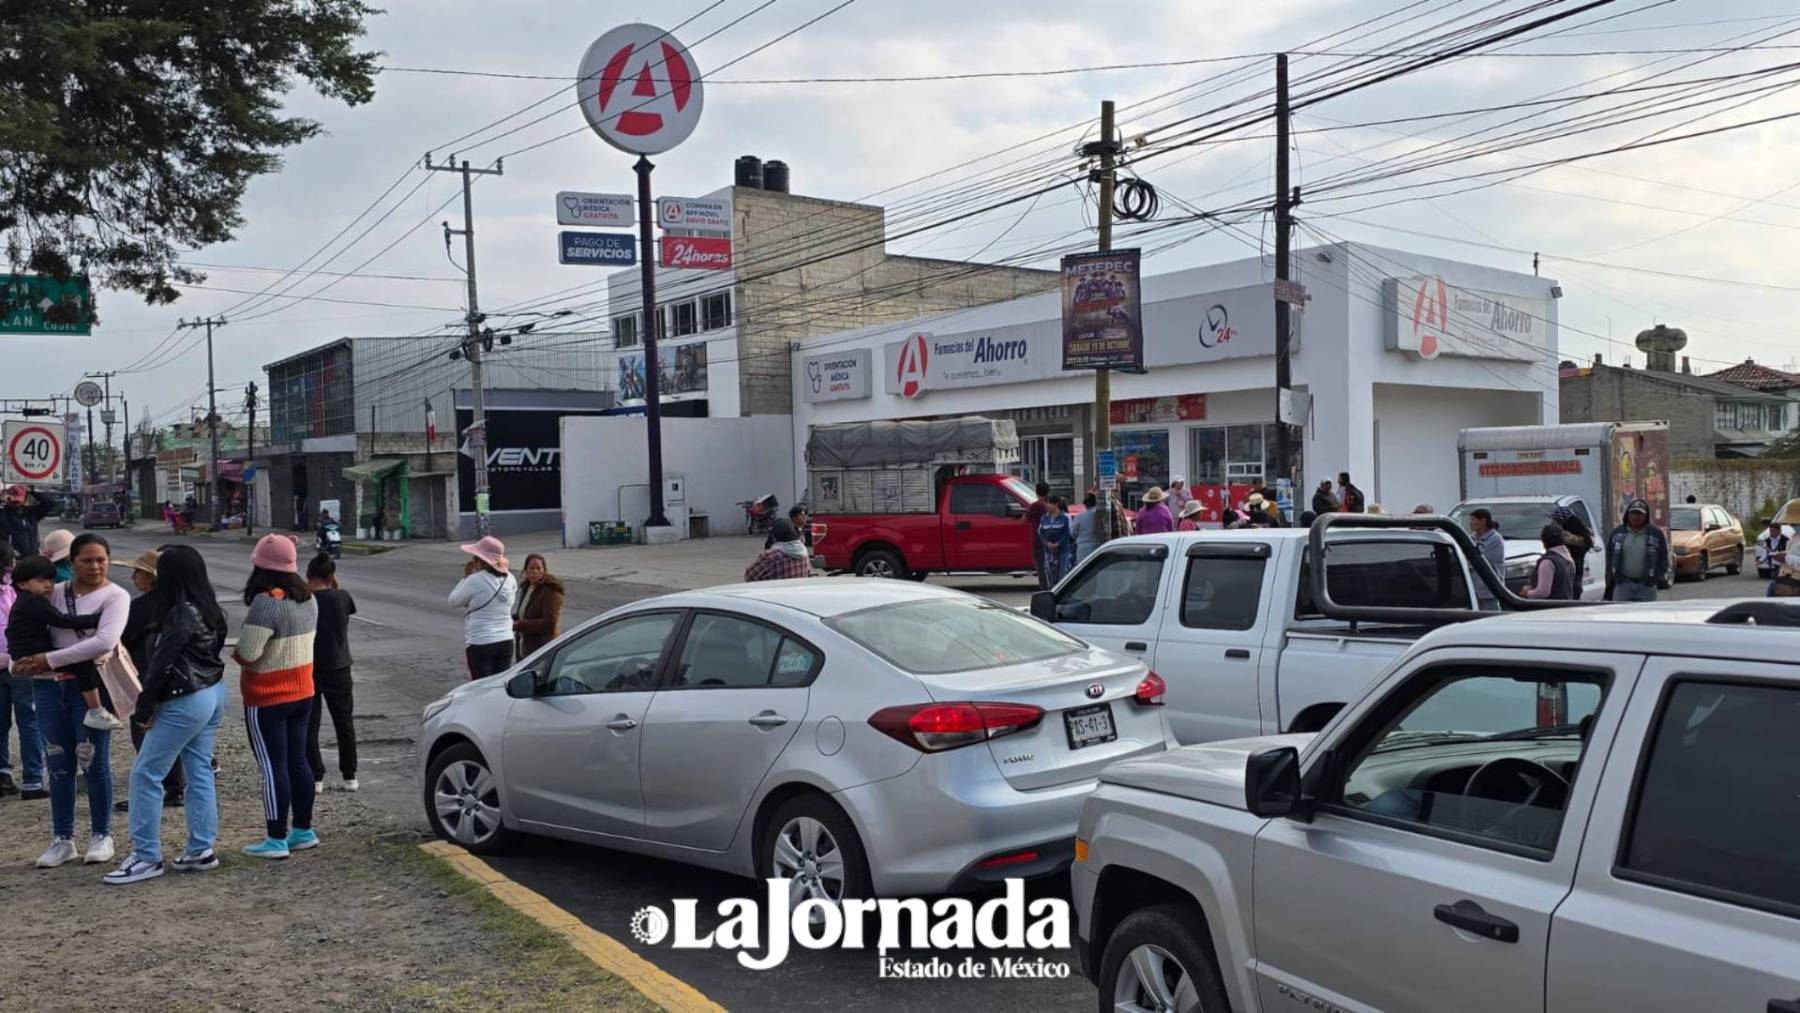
1716, 807
1223, 591
1115, 588
975, 498
1481, 754
620, 657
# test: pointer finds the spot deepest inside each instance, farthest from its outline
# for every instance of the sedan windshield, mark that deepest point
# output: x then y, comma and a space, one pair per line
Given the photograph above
953, 635
1684, 518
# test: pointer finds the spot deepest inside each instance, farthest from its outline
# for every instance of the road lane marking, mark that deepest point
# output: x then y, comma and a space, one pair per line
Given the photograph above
654, 983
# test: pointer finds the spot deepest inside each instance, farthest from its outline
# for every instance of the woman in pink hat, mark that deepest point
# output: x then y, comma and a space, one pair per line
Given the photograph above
486, 593
275, 650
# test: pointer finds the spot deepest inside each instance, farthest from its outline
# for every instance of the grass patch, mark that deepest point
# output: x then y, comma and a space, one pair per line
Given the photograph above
540, 970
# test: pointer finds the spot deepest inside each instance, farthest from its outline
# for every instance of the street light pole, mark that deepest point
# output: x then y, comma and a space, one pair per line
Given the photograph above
472, 345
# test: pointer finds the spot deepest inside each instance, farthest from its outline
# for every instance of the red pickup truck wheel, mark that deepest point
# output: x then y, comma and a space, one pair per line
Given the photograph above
880, 563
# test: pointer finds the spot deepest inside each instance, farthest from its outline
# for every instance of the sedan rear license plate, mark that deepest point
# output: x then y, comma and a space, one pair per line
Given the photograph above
1090, 726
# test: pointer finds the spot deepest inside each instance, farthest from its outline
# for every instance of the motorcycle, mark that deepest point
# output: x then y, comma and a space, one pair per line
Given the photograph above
330, 540
759, 514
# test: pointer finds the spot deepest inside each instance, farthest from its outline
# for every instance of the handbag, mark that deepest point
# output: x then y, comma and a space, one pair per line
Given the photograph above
117, 673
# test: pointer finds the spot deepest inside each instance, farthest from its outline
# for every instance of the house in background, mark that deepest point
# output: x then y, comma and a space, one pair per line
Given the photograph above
1708, 417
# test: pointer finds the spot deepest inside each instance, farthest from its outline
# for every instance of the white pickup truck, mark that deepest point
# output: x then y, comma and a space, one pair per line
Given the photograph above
1572, 812
1228, 618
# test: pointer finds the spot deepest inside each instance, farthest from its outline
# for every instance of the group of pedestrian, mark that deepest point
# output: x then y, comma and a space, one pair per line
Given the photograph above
504, 619
82, 658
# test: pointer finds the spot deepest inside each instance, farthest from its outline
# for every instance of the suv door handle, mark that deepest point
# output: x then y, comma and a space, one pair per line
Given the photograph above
621, 723
1136, 645
768, 719
964, 525
1784, 1006
1238, 654
1469, 916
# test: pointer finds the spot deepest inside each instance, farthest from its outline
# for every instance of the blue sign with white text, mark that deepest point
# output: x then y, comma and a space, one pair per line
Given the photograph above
604, 249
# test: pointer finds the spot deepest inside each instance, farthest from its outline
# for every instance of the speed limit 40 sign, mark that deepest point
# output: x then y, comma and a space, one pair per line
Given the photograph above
34, 451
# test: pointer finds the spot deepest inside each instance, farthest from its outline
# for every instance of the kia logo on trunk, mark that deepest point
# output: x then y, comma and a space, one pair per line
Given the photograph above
1094, 690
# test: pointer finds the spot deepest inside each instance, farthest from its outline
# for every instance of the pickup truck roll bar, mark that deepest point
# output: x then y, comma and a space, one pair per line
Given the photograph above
1410, 615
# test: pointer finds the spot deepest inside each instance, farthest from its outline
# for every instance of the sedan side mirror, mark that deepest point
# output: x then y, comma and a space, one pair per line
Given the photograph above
1272, 782
1043, 606
523, 685
1714, 527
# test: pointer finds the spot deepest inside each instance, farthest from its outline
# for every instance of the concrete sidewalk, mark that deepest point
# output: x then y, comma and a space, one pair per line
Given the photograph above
681, 566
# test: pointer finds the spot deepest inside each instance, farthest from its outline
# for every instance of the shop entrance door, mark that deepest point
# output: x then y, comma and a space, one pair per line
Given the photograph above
1049, 459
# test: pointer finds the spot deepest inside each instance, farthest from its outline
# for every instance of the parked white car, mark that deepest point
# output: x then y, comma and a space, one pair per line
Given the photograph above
854, 736
1592, 809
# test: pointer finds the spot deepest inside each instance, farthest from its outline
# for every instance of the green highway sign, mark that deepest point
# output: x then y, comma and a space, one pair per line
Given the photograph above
36, 304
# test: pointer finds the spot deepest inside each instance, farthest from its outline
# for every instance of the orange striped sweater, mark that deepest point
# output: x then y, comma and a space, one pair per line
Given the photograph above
275, 648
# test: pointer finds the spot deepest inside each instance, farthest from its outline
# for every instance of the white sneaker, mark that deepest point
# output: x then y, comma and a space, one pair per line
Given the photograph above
61, 852
318, 788
101, 719
133, 870
350, 784
100, 849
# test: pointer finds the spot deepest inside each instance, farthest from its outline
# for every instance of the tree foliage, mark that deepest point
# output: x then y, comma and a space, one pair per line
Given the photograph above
1784, 447
129, 130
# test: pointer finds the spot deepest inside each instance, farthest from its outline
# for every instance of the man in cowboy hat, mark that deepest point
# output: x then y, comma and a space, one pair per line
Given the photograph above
1154, 518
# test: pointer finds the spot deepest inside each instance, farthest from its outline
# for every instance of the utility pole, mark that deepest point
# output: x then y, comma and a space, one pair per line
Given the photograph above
250, 459
212, 407
1285, 198
1108, 149
125, 446
105, 418
652, 371
472, 345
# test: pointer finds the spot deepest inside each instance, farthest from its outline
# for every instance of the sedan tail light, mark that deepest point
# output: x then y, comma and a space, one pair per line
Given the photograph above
1150, 691
935, 727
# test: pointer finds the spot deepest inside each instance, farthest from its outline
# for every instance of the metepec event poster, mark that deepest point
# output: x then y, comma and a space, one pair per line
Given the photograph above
1102, 311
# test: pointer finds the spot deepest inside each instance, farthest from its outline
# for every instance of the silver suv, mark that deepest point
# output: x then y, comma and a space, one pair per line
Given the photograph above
1589, 809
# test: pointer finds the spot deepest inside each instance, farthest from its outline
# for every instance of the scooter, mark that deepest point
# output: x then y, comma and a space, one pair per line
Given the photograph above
330, 540
759, 514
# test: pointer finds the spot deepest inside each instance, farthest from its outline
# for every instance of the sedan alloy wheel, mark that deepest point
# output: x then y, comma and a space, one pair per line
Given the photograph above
809, 857
467, 800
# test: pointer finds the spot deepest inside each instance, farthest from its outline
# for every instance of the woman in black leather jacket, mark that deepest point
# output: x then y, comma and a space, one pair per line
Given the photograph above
182, 703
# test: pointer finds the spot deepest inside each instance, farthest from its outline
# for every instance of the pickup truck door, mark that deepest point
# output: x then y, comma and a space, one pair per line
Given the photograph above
1412, 888
1688, 892
1111, 599
1210, 645
984, 528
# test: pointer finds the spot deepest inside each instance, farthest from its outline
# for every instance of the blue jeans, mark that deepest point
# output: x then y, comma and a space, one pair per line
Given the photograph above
183, 731
60, 710
1633, 590
16, 701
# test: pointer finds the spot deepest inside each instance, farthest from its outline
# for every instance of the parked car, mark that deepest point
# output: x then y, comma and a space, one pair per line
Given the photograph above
852, 735
1591, 809
1703, 536
101, 513
1229, 621
1522, 518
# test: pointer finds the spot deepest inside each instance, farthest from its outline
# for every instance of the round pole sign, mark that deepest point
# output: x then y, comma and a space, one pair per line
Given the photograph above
639, 89
88, 393
34, 453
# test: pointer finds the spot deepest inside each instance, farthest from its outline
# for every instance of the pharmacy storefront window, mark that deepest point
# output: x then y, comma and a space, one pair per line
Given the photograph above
1143, 458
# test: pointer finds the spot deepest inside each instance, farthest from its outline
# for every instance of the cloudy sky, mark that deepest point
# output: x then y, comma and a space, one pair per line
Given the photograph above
1712, 217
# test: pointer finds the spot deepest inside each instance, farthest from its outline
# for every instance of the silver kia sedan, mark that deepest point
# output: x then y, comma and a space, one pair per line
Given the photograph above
857, 737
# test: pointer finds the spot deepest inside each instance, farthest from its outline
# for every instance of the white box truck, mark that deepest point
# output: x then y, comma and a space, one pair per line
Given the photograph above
1522, 474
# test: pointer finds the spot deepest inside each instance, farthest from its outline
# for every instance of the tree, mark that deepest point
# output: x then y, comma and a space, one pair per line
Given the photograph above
129, 131
1783, 447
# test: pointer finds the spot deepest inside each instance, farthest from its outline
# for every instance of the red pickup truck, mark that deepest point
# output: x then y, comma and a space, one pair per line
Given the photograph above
979, 526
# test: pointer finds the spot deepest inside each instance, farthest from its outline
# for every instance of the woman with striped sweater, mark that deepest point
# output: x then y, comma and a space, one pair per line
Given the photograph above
275, 649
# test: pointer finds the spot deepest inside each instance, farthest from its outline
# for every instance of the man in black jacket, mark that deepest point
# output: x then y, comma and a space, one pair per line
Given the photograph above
20, 512
1323, 500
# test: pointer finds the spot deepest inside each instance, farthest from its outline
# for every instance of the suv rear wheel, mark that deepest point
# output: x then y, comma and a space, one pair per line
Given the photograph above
1159, 960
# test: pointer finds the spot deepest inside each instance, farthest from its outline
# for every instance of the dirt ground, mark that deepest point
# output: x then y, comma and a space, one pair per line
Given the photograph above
365, 922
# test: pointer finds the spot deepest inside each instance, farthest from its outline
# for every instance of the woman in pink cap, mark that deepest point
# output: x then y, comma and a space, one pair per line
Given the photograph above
486, 593
275, 650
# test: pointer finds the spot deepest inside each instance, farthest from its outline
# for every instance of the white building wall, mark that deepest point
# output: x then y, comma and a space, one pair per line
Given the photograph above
1340, 358
724, 460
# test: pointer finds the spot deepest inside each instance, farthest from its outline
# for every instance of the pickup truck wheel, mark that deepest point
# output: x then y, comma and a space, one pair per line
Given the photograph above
1159, 960
881, 563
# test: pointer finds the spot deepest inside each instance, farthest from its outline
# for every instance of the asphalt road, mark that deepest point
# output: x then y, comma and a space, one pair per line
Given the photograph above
408, 648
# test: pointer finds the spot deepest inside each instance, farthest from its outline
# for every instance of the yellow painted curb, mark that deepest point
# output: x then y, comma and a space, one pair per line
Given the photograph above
655, 984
